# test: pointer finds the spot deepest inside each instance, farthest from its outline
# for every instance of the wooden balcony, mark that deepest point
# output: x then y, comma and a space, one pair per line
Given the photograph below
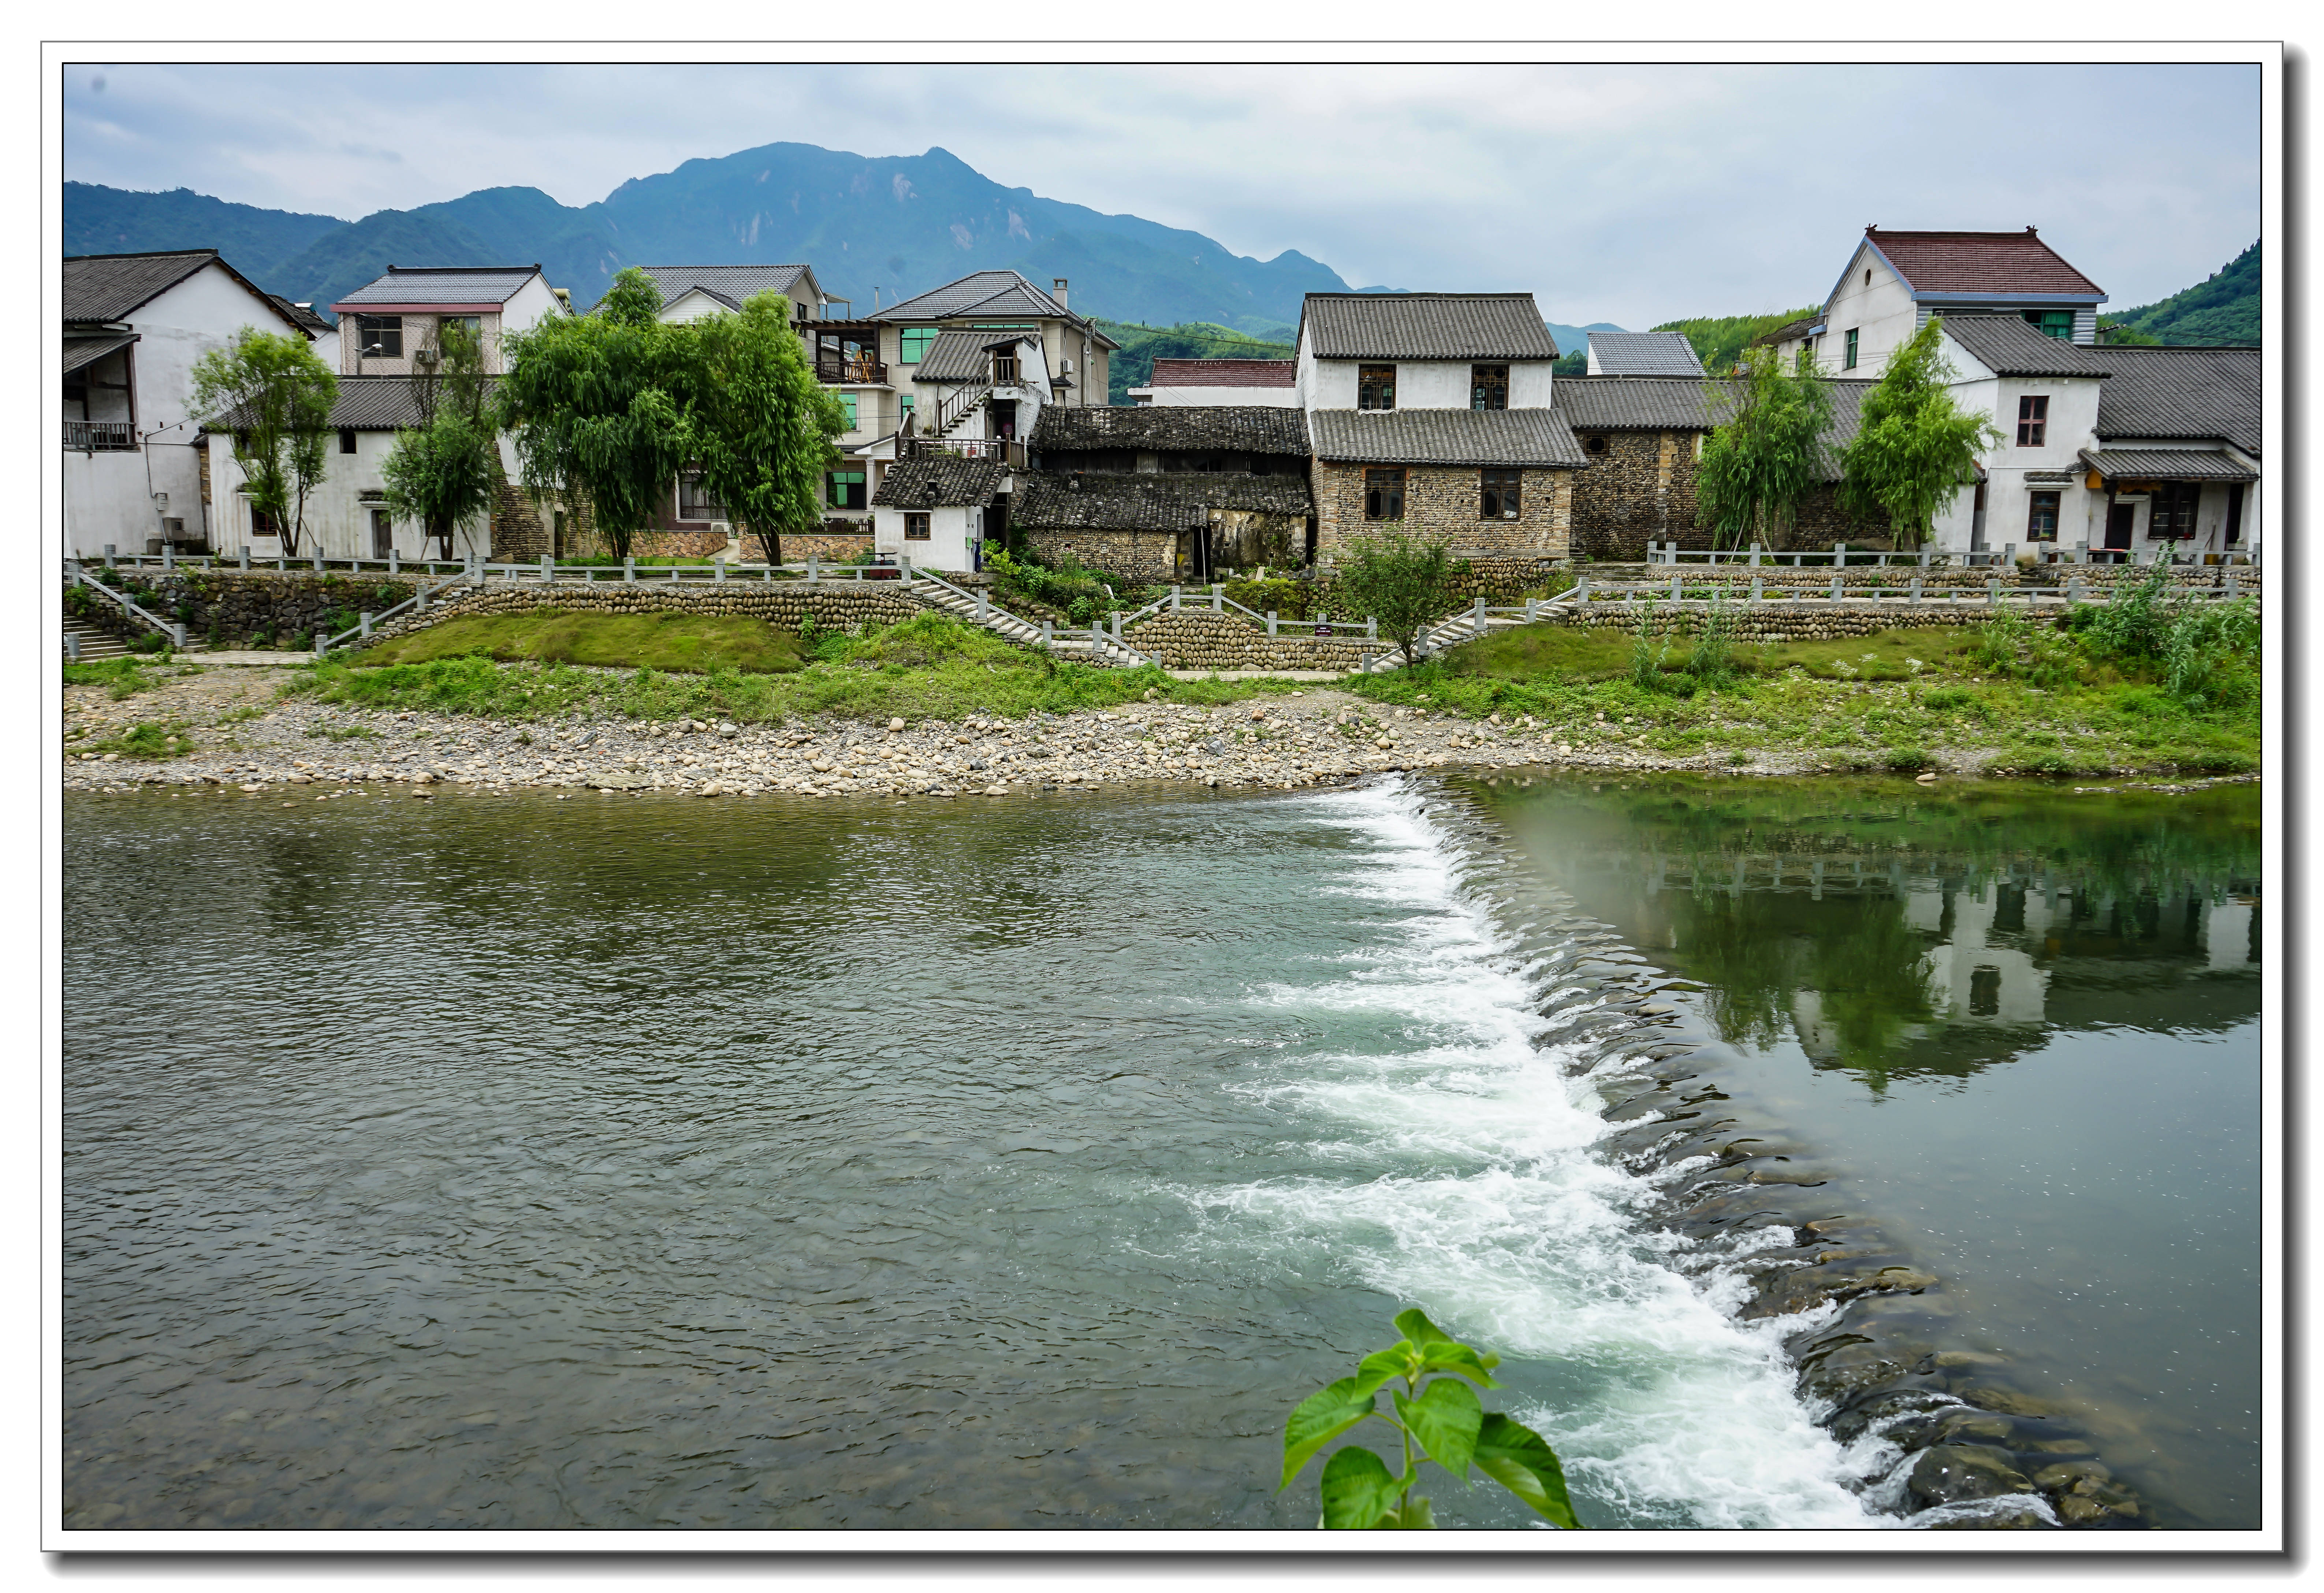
98, 436
843, 369
1006, 451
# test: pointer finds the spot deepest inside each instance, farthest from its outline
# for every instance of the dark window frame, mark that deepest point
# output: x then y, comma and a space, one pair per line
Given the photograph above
912, 342
382, 329
2033, 420
346, 439
1384, 489
846, 489
2170, 510
2052, 323
2042, 513
1376, 387
1500, 494
1848, 364
919, 526
1488, 386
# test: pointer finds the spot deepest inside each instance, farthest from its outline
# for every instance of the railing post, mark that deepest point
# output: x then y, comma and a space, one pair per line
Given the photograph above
1992, 593
1177, 592
169, 556
1838, 555
629, 569
2073, 590
548, 567
1755, 578
813, 568
322, 643
1048, 633
394, 559
318, 559
718, 567
72, 647
1117, 624
420, 596
108, 555
1218, 599
1531, 609
363, 623
1580, 589
1480, 612
177, 635
1835, 586
983, 606
1916, 591
1755, 555
2227, 582
1270, 625
1924, 557
1678, 588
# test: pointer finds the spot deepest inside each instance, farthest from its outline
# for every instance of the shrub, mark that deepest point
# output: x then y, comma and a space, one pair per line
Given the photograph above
1650, 646
1712, 659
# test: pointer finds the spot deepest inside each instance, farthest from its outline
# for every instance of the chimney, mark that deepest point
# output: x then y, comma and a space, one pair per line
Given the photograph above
2031, 233
1057, 291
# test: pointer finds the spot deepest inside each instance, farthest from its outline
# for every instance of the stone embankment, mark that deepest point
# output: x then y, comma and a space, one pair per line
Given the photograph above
783, 603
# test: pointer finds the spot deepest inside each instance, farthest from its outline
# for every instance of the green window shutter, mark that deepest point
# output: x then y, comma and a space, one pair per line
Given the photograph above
912, 344
849, 400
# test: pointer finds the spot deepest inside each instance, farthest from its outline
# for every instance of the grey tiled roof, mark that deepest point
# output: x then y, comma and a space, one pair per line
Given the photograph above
728, 285
2182, 392
1225, 373
2010, 346
451, 284
1425, 326
980, 292
109, 287
1446, 437
308, 319
1239, 428
939, 483
2184, 464
1633, 403
957, 357
1644, 354
1147, 501
89, 351
365, 403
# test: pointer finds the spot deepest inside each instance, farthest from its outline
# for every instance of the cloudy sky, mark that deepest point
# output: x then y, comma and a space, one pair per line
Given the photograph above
1631, 194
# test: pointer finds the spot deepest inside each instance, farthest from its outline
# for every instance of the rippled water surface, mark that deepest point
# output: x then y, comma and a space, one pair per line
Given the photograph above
632, 1161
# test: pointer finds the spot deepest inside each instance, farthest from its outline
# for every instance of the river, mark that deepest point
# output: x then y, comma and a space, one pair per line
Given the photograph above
505, 1161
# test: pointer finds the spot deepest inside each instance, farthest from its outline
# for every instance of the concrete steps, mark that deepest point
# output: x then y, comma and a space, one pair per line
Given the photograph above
94, 643
1011, 627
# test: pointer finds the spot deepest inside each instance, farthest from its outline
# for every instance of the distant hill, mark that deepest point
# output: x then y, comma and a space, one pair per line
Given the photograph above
1718, 339
115, 221
875, 229
1132, 366
2223, 307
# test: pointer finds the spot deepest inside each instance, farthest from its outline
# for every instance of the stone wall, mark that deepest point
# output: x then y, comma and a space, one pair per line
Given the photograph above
834, 604
1197, 639
1441, 503
236, 606
1936, 578
799, 546
1144, 557
1639, 487
1784, 622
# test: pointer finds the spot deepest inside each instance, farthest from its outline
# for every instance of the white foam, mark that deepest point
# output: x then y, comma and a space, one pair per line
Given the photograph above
1475, 1195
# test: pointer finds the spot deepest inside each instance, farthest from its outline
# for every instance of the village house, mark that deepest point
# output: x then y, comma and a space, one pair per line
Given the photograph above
134, 324
1169, 493
396, 320
1179, 382
1433, 413
1642, 354
1895, 281
937, 511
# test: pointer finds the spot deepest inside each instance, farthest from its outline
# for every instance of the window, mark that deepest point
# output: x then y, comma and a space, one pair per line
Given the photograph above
1374, 386
1489, 387
2173, 511
1497, 493
694, 504
916, 528
1004, 370
905, 405
379, 336
912, 344
2052, 323
1849, 363
383, 534
848, 400
2033, 420
1594, 446
1867, 276
261, 523
346, 439
1384, 494
473, 325
846, 489
2041, 517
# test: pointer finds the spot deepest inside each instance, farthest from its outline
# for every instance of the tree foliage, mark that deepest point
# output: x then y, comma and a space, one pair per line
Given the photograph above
1915, 447
274, 394
1720, 340
763, 425
1765, 456
1404, 582
446, 471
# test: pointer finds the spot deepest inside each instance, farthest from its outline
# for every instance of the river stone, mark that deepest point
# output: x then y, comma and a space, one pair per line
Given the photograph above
1977, 1426
1949, 1473
2058, 1478
2006, 1401
2060, 1446
614, 780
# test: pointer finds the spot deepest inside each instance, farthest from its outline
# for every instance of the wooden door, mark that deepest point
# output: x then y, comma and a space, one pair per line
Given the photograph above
2120, 518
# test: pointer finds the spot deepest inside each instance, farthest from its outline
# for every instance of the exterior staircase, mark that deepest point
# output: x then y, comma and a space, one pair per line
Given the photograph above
1079, 646
95, 643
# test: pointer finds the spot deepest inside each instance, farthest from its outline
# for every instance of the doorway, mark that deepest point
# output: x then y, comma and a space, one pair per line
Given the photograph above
383, 534
1004, 417
2120, 519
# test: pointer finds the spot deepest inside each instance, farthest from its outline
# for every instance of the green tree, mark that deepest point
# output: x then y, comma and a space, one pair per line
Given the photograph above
447, 470
1406, 583
763, 425
598, 406
1915, 448
272, 394
1765, 454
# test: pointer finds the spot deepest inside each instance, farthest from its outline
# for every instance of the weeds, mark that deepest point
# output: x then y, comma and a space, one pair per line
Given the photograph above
148, 740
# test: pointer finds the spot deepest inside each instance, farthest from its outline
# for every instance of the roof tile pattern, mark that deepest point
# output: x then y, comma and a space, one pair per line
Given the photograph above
2008, 346
1049, 499
109, 287
957, 357
1644, 354
2183, 464
728, 285
462, 285
1225, 373
1425, 326
1446, 437
2182, 393
1634, 403
980, 292
1979, 262
939, 483
1261, 429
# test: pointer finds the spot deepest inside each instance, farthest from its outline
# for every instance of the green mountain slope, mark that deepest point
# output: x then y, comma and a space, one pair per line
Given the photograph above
1133, 364
875, 229
101, 220
2224, 308
1718, 339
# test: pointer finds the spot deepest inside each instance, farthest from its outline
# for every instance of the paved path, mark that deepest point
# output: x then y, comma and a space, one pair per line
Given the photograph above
248, 659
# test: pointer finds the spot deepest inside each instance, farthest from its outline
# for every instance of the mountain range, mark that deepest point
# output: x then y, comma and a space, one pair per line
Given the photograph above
2223, 307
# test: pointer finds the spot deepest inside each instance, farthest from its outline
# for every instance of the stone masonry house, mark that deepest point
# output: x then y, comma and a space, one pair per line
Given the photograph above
938, 511
1895, 281
1642, 354
134, 324
1169, 493
1182, 381
1433, 413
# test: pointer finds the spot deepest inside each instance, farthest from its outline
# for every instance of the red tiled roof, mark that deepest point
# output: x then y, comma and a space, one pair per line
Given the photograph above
1979, 263
1225, 373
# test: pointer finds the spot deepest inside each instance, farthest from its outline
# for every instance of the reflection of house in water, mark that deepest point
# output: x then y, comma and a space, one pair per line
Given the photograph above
1977, 975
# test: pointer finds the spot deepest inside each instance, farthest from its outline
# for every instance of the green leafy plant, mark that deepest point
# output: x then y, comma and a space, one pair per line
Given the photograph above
1915, 448
1766, 455
1712, 659
1650, 646
1404, 582
1440, 1419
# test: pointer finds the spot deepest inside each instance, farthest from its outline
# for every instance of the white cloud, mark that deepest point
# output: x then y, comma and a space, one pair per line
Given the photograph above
1630, 194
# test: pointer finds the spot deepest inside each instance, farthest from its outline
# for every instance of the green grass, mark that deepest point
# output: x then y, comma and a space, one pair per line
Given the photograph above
670, 642
146, 740
127, 676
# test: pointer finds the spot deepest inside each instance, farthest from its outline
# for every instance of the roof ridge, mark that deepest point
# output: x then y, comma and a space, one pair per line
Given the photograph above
143, 254
421, 270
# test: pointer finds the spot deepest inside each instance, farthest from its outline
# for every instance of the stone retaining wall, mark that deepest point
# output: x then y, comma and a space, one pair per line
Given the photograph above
1788, 622
783, 604
2095, 577
238, 604
1197, 639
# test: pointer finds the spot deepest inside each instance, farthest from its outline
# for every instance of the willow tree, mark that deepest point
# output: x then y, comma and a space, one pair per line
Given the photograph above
447, 470
763, 425
1915, 447
1765, 454
598, 403
272, 396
